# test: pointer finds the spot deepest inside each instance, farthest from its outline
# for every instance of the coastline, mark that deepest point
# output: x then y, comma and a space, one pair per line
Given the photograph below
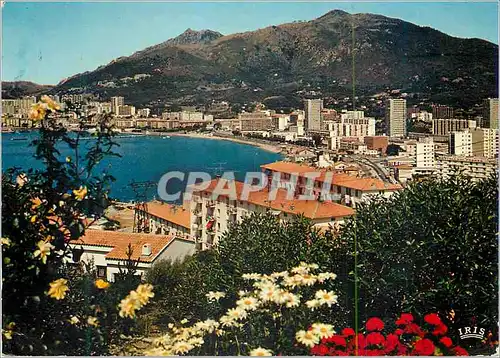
264, 146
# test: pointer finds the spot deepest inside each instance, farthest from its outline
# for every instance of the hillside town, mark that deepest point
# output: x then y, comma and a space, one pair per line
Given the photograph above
365, 156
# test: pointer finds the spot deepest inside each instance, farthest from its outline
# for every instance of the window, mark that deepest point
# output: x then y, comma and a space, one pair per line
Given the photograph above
101, 271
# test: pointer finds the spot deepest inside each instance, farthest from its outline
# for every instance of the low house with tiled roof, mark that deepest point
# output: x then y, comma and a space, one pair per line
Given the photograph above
213, 211
323, 184
109, 250
161, 218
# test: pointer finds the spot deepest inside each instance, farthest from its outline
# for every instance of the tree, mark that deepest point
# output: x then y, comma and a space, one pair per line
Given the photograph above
430, 248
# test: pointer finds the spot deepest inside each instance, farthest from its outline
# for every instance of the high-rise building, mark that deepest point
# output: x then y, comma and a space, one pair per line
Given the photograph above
115, 103
443, 127
255, 121
313, 109
484, 142
395, 117
422, 152
460, 143
440, 111
490, 113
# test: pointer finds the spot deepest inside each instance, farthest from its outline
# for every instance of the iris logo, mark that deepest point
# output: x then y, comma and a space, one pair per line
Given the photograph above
471, 332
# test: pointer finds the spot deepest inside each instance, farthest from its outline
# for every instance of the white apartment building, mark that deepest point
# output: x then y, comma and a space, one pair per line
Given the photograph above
352, 124
280, 122
108, 250
126, 110
476, 168
460, 143
213, 212
116, 102
485, 142
18, 107
395, 117
144, 112
313, 109
423, 155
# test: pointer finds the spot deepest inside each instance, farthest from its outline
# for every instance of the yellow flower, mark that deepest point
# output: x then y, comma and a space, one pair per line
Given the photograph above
182, 347
92, 321
58, 289
80, 193
7, 333
261, 352
51, 104
307, 338
38, 111
236, 313
215, 296
251, 276
248, 303
326, 276
129, 305
36, 203
323, 330
144, 293
312, 304
269, 293
101, 284
291, 300
33, 219
43, 251
68, 159
74, 320
326, 297
6, 241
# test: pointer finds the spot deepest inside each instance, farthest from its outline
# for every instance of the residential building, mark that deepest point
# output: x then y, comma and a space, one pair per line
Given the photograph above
18, 107
73, 98
484, 142
116, 102
443, 127
255, 121
460, 143
125, 123
378, 143
189, 116
280, 121
395, 117
328, 115
351, 124
342, 187
213, 212
171, 116
442, 112
297, 118
422, 153
313, 109
126, 110
144, 112
490, 113
476, 168
159, 217
108, 250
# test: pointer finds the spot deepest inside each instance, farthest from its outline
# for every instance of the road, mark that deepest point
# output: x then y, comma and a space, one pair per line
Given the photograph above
380, 171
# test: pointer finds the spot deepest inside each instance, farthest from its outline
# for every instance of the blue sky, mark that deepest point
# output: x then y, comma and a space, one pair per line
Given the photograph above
46, 42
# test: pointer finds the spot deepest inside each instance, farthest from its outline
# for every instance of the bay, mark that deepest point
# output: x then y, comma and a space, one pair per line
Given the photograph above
148, 158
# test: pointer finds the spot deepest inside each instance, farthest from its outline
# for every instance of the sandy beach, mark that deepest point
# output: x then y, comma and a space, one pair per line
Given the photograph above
264, 146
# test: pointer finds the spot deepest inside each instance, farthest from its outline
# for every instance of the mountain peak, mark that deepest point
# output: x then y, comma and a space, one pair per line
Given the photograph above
336, 13
191, 36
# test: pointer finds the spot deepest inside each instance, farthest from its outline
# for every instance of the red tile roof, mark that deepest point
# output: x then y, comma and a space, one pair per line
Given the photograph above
344, 180
312, 209
119, 241
173, 213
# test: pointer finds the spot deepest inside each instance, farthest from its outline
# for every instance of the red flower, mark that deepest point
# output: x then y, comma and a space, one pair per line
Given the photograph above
337, 340
440, 330
374, 352
348, 332
374, 324
402, 350
424, 347
412, 328
319, 350
459, 351
405, 319
399, 331
391, 342
433, 319
374, 338
446, 341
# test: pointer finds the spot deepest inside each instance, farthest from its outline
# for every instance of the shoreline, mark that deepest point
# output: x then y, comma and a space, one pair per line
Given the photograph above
264, 146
